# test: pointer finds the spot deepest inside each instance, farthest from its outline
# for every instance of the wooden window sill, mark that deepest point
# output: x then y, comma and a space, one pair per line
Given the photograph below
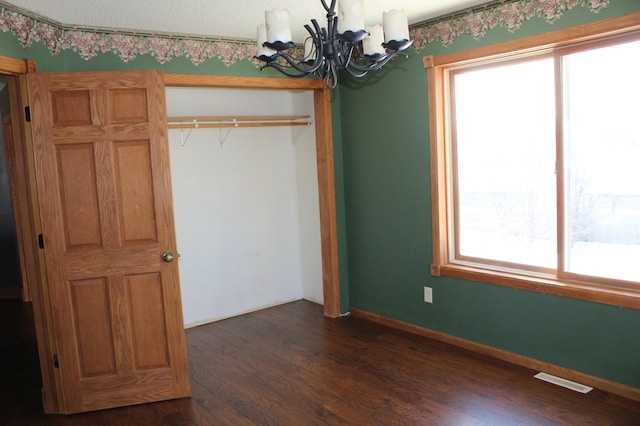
593, 292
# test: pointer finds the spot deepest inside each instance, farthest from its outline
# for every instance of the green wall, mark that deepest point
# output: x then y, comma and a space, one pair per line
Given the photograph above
388, 218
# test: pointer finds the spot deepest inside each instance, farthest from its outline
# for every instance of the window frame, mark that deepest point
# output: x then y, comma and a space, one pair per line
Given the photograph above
606, 291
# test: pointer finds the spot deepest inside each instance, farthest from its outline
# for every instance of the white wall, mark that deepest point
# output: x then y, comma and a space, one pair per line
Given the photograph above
246, 211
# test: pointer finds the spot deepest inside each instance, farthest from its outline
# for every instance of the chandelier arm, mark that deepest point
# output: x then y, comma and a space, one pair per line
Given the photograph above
330, 75
294, 64
377, 63
332, 28
324, 35
318, 43
371, 66
352, 73
285, 70
352, 48
316, 27
303, 70
329, 9
342, 53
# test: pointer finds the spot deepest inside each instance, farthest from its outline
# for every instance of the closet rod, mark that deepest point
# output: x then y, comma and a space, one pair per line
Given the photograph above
237, 118
208, 121
236, 124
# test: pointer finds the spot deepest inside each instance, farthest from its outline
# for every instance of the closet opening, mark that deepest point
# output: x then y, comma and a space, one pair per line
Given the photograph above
254, 204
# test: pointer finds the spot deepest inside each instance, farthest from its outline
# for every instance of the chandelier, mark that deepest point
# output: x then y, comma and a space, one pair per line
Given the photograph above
345, 44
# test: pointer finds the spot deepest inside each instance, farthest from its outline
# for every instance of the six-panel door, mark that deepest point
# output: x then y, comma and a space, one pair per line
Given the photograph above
104, 187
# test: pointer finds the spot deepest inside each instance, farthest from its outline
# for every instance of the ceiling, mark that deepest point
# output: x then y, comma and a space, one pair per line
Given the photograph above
222, 18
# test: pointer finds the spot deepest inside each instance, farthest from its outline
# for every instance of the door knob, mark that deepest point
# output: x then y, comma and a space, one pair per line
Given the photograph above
167, 256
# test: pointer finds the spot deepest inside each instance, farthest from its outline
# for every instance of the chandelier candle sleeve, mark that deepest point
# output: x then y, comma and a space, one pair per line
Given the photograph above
396, 27
372, 45
350, 15
262, 37
278, 27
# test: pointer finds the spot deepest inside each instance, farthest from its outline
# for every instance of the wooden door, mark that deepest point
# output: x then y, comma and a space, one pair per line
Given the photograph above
102, 166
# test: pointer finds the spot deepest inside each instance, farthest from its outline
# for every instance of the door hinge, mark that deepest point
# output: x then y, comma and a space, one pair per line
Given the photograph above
56, 364
40, 241
27, 114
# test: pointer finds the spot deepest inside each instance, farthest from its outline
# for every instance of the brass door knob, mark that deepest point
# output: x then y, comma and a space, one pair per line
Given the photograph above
167, 256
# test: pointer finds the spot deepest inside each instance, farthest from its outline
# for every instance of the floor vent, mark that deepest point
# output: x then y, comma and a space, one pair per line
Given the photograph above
578, 387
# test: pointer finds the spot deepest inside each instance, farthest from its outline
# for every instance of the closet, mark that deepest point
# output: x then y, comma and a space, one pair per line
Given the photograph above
245, 189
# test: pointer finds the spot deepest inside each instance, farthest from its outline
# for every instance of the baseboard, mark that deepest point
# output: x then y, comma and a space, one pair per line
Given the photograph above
237, 314
534, 364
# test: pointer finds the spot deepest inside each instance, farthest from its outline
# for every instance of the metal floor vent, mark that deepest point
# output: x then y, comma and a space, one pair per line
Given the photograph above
578, 387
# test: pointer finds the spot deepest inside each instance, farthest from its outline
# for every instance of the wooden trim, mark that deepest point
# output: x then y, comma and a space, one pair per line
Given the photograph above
30, 226
325, 165
550, 285
559, 170
327, 197
521, 360
230, 82
437, 157
11, 66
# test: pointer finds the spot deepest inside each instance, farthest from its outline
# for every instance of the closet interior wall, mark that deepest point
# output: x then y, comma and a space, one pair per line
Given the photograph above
246, 204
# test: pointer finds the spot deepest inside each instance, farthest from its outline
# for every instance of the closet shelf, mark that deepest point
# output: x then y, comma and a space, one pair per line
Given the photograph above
208, 121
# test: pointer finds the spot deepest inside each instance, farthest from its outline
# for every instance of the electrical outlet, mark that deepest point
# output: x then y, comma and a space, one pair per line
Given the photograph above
428, 295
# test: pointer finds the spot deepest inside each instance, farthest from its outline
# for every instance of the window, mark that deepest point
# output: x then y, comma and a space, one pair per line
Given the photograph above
536, 157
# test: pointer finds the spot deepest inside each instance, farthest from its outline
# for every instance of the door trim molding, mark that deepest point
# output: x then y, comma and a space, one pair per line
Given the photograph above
11, 66
16, 70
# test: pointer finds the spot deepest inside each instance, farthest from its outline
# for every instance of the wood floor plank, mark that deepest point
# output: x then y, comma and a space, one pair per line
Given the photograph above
290, 365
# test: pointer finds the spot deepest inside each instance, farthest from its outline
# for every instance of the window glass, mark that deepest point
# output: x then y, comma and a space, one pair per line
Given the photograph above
503, 154
601, 132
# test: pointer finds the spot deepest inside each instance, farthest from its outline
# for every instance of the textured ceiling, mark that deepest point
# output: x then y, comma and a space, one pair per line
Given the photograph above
222, 18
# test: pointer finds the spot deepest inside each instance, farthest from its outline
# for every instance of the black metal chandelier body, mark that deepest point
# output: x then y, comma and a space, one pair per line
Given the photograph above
332, 51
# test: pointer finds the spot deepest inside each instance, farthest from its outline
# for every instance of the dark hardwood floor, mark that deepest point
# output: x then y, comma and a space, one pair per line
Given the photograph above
289, 365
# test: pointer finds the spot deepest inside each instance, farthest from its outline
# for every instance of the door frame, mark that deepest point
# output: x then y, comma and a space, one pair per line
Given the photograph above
324, 158
26, 208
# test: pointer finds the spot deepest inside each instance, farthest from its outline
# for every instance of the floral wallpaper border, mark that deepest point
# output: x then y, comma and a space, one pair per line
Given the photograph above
30, 28
508, 14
